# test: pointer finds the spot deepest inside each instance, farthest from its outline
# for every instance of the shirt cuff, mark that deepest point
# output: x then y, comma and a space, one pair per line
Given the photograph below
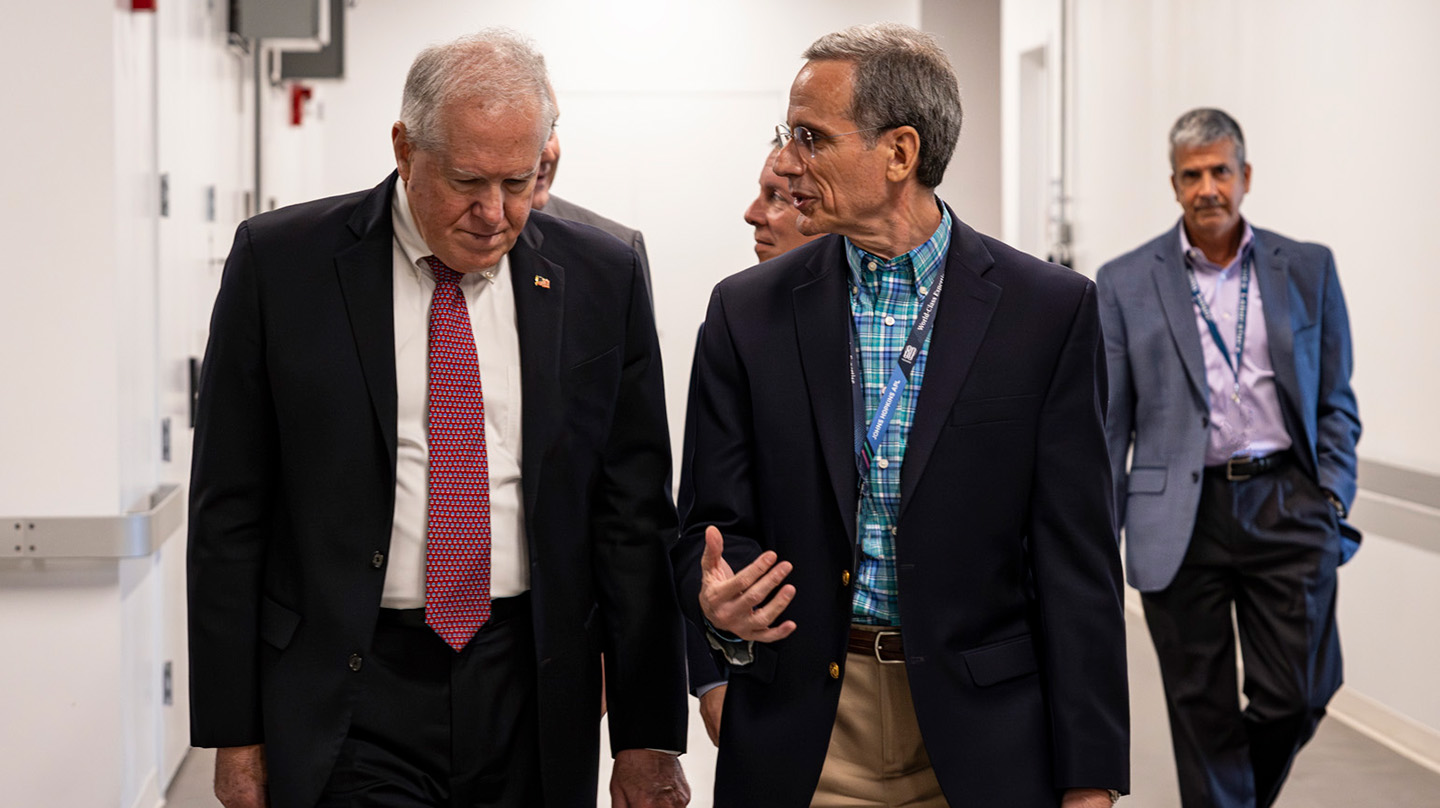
703, 689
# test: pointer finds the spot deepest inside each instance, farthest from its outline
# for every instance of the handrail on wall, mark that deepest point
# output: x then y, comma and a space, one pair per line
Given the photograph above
132, 535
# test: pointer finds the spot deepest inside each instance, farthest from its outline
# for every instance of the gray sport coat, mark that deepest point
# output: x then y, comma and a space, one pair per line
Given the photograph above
565, 209
1159, 400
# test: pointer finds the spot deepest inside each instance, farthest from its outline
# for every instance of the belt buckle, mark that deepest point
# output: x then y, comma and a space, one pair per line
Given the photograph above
1230, 469
880, 659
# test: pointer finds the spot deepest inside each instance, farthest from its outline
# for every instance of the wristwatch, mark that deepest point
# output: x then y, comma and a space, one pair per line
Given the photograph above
1114, 796
737, 651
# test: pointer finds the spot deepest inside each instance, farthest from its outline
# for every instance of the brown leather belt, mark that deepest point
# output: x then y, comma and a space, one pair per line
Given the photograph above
882, 643
1239, 469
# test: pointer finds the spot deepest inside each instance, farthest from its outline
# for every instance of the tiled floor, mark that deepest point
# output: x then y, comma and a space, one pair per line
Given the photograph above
1339, 769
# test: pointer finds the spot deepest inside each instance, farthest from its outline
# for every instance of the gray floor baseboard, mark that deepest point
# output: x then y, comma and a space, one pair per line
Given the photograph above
1404, 736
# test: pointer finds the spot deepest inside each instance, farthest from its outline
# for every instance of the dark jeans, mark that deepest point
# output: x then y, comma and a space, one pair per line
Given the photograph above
1268, 548
433, 727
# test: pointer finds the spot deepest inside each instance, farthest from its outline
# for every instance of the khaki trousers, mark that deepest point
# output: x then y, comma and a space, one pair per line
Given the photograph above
876, 755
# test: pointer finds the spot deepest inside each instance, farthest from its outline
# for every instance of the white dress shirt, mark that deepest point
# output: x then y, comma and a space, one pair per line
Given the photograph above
491, 300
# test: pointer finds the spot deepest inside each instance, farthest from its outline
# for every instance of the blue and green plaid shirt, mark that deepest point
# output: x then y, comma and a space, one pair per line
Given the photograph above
885, 299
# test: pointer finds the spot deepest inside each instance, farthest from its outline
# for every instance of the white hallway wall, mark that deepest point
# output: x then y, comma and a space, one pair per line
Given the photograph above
969, 30
77, 337
1336, 100
102, 301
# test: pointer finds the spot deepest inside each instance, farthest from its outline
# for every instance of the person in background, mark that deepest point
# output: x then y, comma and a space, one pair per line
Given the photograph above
901, 534
1229, 359
773, 213
773, 216
421, 511
704, 674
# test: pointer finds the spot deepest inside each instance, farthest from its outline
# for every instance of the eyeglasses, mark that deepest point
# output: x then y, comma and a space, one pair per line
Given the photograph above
806, 138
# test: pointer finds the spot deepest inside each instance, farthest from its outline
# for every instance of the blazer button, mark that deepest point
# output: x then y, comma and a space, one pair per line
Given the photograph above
845, 578
1194, 476
355, 662
834, 670
1205, 421
378, 560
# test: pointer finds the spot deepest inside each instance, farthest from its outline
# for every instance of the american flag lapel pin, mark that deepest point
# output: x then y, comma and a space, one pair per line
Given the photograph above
542, 281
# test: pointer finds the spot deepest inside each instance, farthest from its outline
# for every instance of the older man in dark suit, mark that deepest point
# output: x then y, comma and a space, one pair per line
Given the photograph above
901, 533
430, 484
1229, 355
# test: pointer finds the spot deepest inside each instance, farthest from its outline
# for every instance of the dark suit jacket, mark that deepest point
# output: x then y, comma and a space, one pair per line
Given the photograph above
1009, 571
565, 209
294, 479
1160, 401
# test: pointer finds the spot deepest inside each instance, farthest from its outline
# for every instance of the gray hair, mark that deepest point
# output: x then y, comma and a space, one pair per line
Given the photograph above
902, 78
1202, 127
495, 68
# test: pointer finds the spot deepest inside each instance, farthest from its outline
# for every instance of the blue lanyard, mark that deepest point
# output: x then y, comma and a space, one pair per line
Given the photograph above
1239, 317
867, 442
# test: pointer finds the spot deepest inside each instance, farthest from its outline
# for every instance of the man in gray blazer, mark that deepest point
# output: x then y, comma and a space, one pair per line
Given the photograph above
1229, 359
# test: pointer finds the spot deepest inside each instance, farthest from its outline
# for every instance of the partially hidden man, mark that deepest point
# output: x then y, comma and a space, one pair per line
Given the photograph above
901, 534
430, 483
1229, 355
772, 216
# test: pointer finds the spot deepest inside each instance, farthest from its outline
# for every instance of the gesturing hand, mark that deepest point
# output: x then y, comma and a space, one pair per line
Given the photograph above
731, 601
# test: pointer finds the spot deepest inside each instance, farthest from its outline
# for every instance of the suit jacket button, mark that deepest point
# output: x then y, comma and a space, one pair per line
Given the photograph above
1194, 476
378, 560
355, 662
834, 670
845, 578
1205, 421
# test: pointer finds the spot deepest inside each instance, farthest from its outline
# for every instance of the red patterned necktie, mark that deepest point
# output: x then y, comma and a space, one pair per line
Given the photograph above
457, 567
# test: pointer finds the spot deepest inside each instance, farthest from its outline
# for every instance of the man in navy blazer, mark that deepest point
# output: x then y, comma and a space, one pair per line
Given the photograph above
952, 633
1229, 355
314, 666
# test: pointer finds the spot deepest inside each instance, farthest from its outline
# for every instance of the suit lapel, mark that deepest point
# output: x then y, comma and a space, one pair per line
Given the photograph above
366, 275
1272, 277
967, 303
1170, 284
540, 321
822, 329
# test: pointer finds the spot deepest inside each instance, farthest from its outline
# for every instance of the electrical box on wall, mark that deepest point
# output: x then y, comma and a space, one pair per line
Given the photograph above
326, 63
293, 25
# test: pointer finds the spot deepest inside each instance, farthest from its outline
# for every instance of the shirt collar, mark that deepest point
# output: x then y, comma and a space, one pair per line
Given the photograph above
1200, 262
406, 232
923, 261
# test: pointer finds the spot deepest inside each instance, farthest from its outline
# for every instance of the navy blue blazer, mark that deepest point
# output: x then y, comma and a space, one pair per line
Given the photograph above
1159, 399
1009, 569
292, 492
